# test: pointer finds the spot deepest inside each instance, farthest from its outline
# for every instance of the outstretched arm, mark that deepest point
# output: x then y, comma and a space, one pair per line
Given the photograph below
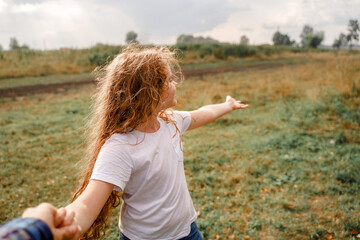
89, 204
210, 113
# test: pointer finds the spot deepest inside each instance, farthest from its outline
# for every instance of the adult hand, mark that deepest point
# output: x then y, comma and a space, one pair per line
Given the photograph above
59, 221
235, 104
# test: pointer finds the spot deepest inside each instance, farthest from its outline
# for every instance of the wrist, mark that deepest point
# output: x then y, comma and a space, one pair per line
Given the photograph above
229, 107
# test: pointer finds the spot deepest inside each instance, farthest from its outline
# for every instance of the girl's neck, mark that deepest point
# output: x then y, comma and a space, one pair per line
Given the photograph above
151, 126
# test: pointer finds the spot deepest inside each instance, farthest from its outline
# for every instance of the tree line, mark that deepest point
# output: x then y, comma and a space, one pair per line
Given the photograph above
309, 38
312, 39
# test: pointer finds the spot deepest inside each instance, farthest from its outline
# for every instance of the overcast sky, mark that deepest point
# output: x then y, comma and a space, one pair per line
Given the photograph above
49, 24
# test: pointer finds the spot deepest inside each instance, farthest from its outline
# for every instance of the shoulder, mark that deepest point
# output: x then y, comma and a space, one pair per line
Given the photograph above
114, 156
179, 116
117, 147
182, 119
120, 140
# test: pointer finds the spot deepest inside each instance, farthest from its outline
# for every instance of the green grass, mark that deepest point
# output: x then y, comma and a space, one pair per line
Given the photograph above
285, 168
61, 78
44, 80
33, 63
276, 172
245, 62
39, 144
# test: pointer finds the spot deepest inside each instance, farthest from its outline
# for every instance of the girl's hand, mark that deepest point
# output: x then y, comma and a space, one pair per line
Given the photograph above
61, 228
235, 104
66, 219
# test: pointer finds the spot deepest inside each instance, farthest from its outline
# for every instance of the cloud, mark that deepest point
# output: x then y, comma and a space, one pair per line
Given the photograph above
70, 23
263, 18
164, 18
81, 23
15, 2
2, 5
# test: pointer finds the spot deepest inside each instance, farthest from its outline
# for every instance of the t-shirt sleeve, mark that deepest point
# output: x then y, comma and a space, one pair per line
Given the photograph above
183, 120
113, 165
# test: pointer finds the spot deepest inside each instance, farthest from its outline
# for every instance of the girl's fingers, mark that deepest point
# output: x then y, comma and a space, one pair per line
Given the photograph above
242, 106
73, 232
68, 233
69, 218
59, 217
237, 104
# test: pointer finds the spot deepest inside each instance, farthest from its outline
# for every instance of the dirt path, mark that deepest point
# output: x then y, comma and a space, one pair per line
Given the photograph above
58, 87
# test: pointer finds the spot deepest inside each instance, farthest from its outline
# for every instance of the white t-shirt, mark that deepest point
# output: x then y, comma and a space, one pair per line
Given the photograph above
149, 168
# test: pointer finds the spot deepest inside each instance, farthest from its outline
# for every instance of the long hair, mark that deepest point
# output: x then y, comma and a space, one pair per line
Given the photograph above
129, 90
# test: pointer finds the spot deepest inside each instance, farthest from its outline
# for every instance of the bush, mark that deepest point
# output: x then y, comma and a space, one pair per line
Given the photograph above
102, 54
99, 59
206, 49
267, 49
233, 50
225, 50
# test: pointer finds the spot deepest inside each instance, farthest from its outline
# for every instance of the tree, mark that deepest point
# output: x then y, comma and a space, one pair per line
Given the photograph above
24, 46
310, 38
183, 38
131, 37
244, 40
315, 39
354, 29
339, 42
1, 48
282, 39
14, 44
307, 30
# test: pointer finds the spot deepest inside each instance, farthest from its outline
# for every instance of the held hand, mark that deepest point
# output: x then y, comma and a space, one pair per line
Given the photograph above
59, 221
65, 221
235, 104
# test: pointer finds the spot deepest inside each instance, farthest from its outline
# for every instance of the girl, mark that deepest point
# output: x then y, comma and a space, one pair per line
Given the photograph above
135, 148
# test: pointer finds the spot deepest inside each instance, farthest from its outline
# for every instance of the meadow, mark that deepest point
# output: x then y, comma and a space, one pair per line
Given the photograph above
28, 63
287, 167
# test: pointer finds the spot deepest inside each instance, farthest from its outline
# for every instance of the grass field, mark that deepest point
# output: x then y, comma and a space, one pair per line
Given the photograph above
44, 80
287, 167
34, 63
61, 77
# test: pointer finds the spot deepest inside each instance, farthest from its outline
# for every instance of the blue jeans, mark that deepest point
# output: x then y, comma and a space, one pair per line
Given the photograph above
194, 234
